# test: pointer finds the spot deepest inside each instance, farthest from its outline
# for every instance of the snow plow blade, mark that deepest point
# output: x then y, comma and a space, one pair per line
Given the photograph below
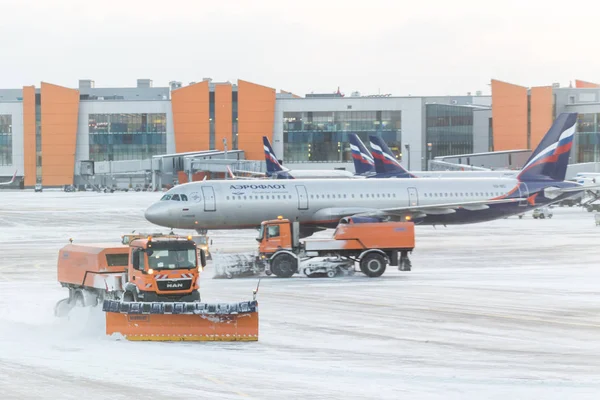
229, 265
144, 321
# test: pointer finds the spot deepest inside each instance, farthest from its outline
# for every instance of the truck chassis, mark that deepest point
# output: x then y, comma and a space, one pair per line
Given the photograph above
372, 262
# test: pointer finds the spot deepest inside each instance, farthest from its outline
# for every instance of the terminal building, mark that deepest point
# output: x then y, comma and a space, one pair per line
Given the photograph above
48, 133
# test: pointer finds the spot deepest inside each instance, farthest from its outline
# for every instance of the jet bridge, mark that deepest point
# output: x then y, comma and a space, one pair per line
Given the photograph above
166, 168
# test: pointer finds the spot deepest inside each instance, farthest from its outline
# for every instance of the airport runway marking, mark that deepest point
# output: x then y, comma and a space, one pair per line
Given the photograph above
219, 382
464, 313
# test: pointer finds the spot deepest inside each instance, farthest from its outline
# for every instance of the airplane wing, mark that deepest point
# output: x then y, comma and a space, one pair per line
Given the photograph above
11, 181
233, 176
250, 172
409, 211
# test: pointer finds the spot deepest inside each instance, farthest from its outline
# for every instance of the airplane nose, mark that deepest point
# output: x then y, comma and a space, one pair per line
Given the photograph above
158, 215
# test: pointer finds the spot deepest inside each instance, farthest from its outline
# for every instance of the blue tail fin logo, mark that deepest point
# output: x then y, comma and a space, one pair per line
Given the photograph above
385, 161
273, 166
550, 159
363, 160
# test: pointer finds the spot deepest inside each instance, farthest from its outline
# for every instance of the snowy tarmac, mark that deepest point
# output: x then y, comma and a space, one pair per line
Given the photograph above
507, 309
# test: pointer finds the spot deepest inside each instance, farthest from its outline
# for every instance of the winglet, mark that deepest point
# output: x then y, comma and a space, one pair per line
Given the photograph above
363, 160
11, 180
231, 173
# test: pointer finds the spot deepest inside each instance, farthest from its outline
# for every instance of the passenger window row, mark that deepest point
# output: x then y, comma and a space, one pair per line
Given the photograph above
263, 197
463, 194
313, 196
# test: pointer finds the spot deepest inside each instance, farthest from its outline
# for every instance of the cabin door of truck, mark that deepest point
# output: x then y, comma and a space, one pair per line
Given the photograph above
209, 198
413, 197
302, 197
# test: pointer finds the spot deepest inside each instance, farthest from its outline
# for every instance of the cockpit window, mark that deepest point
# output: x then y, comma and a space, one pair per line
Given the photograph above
175, 197
166, 197
184, 197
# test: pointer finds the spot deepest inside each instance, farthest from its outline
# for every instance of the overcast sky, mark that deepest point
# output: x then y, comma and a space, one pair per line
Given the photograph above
431, 47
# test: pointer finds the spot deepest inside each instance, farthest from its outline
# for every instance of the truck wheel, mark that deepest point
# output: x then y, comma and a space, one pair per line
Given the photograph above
78, 299
195, 296
373, 265
129, 297
331, 274
284, 265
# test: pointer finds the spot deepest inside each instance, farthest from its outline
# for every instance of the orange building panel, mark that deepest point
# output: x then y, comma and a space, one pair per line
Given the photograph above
256, 117
509, 113
60, 111
585, 85
191, 117
223, 109
29, 135
542, 101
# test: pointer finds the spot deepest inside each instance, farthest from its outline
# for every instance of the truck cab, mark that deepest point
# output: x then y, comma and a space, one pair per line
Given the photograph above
200, 240
163, 269
274, 235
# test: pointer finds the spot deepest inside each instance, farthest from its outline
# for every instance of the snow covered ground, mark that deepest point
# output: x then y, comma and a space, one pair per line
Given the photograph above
508, 309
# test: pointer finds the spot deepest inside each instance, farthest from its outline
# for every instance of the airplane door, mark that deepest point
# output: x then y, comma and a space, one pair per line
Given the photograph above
413, 197
523, 193
302, 197
209, 198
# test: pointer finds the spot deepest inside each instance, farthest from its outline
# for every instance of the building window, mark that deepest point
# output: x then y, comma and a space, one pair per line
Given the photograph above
234, 120
323, 136
211, 116
115, 137
449, 129
587, 138
6, 140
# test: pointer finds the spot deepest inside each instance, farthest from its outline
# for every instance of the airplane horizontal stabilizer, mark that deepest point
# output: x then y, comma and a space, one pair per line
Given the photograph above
574, 189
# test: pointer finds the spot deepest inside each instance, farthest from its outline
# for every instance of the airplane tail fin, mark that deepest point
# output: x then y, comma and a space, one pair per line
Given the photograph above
363, 160
550, 159
273, 165
385, 161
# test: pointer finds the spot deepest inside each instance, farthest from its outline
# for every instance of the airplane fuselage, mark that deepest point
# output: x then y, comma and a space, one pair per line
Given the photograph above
447, 174
314, 174
246, 203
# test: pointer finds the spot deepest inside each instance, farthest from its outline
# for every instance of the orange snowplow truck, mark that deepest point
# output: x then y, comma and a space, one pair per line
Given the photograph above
372, 243
149, 291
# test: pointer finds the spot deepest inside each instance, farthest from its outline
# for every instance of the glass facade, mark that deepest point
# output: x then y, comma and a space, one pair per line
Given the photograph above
587, 139
115, 137
323, 136
449, 129
211, 116
38, 137
234, 120
6, 139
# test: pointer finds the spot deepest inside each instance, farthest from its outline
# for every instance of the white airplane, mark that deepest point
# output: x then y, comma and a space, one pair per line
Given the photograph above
319, 204
11, 181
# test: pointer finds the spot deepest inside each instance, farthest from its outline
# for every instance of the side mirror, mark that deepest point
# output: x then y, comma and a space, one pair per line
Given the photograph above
135, 256
202, 258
